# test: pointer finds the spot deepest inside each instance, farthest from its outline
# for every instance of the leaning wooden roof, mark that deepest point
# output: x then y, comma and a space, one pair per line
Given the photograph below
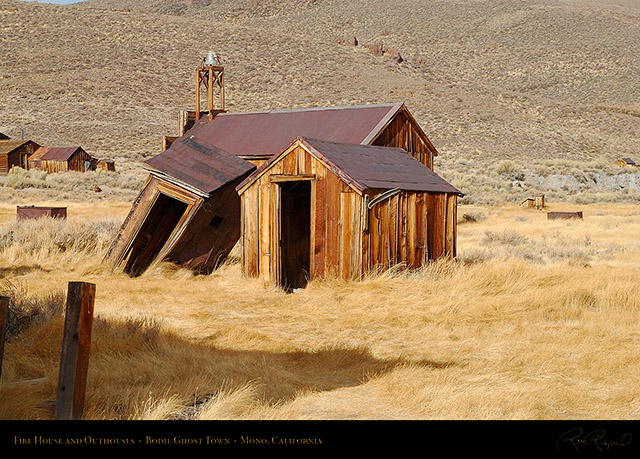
198, 165
269, 132
54, 153
366, 167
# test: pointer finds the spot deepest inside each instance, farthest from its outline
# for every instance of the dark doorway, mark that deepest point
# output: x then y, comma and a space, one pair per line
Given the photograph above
295, 233
156, 229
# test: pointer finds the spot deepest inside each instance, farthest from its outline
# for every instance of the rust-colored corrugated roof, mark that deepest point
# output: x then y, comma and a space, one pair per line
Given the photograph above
54, 153
199, 164
270, 132
369, 167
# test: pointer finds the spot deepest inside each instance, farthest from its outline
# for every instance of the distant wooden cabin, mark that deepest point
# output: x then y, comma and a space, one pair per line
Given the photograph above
534, 203
257, 136
188, 211
106, 165
322, 209
4, 136
15, 153
625, 162
54, 159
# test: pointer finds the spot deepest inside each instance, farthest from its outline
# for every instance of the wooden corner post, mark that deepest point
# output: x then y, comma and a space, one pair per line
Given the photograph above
76, 342
4, 314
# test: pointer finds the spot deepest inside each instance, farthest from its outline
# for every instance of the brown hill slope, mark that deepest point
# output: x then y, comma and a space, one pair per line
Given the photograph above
488, 80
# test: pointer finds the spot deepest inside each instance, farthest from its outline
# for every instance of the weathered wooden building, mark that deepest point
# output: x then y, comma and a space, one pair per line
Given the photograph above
54, 159
323, 208
106, 165
15, 153
187, 212
625, 162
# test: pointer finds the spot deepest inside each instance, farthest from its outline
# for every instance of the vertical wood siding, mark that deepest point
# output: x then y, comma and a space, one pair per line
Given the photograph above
401, 133
347, 239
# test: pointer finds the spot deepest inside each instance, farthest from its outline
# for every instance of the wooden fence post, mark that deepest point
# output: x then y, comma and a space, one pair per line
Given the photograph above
4, 314
76, 342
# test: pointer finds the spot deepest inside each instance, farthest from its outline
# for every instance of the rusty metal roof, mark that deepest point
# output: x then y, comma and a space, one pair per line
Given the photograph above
270, 132
198, 164
54, 153
369, 167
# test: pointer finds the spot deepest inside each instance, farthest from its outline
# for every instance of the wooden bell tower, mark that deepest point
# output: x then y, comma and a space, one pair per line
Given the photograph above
210, 77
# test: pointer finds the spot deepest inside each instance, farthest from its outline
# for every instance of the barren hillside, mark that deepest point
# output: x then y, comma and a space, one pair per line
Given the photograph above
530, 81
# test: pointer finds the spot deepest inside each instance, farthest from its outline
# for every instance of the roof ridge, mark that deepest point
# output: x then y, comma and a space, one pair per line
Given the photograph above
310, 109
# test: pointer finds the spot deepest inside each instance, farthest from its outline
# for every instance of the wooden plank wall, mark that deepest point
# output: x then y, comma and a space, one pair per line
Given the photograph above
401, 133
410, 229
260, 218
4, 164
75, 163
205, 243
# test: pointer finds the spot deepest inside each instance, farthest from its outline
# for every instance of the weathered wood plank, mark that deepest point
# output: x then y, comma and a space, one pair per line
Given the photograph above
76, 344
4, 316
412, 231
319, 221
264, 220
251, 220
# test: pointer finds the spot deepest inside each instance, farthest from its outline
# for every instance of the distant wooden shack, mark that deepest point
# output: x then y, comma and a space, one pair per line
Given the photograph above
53, 159
15, 153
533, 203
323, 209
106, 165
4, 136
625, 162
187, 212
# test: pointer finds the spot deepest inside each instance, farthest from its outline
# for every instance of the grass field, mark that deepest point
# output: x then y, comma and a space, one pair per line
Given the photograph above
538, 321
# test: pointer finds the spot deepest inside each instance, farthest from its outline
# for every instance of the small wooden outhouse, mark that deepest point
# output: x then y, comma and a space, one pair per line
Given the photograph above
187, 212
321, 209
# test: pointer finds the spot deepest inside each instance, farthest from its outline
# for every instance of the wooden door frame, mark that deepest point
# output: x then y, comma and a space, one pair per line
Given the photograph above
276, 223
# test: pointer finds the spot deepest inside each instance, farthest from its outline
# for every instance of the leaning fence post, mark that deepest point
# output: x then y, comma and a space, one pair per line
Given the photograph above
4, 314
74, 361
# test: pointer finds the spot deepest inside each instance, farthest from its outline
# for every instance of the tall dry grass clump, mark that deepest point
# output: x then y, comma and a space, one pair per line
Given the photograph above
48, 241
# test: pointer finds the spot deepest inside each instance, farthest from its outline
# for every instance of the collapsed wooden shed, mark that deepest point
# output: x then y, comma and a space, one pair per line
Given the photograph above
63, 159
187, 212
15, 153
322, 209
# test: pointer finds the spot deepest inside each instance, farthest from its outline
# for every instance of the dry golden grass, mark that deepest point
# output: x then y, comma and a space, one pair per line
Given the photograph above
500, 336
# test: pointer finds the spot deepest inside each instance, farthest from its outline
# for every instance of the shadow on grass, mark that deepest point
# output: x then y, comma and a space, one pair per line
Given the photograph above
20, 270
135, 363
